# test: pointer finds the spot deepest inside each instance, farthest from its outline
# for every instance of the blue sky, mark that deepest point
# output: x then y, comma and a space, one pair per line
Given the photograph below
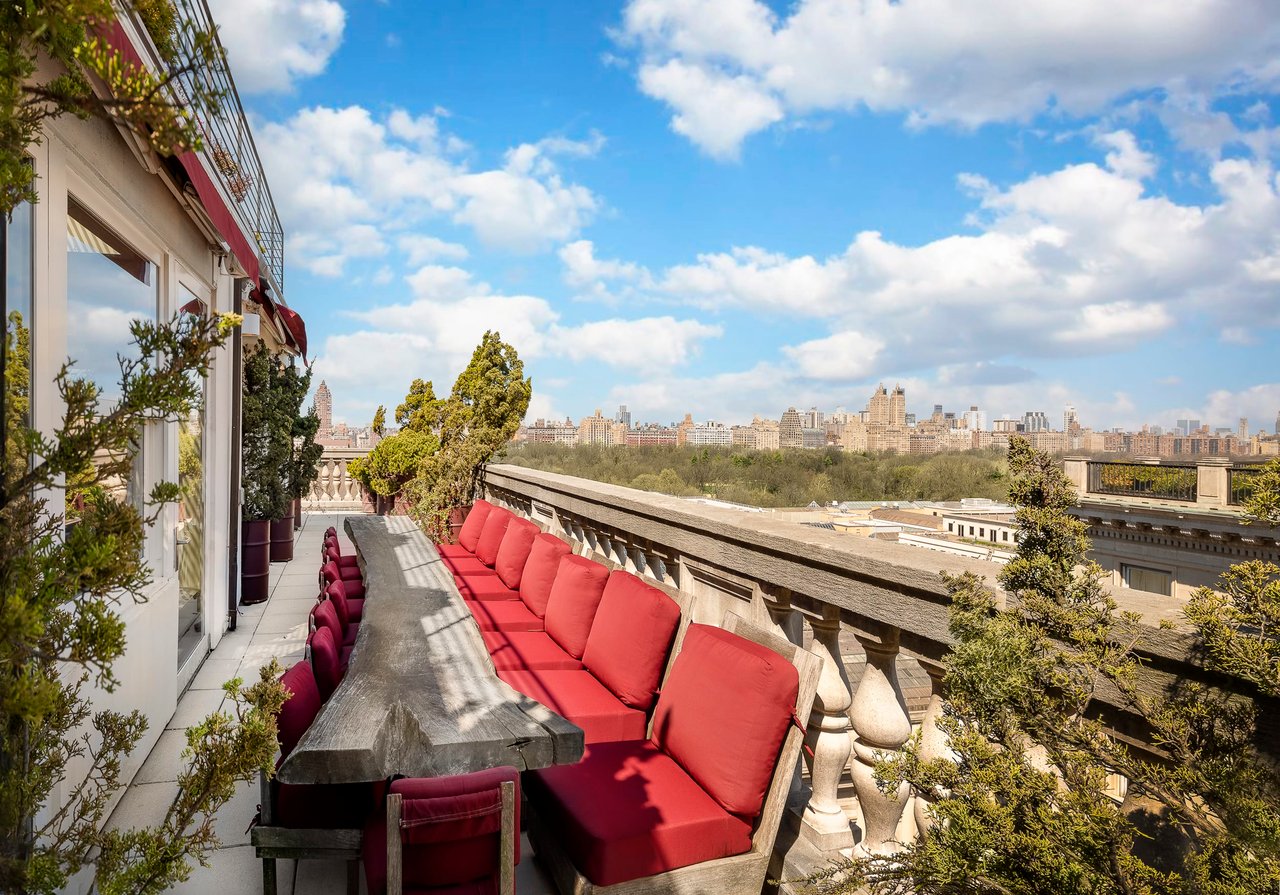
728, 207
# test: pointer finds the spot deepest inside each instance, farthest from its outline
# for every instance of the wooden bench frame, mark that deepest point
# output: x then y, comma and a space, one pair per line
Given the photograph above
506, 843
738, 873
297, 844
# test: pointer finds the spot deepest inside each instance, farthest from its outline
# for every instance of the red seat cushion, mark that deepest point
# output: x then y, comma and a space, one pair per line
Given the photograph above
495, 528
504, 615
627, 811
571, 606
300, 708
353, 583
467, 565
482, 588
350, 612
630, 638
723, 714
349, 562
582, 699
532, 650
325, 661
514, 551
540, 572
469, 534
326, 615
452, 551
460, 849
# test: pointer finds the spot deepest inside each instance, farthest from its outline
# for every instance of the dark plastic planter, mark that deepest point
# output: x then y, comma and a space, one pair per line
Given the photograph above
255, 560
282, 538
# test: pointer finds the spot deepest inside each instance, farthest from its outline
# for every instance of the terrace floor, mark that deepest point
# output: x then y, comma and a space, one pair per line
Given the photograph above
276, 629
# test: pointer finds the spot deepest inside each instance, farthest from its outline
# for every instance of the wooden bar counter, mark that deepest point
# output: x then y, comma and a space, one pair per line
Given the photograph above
420, 696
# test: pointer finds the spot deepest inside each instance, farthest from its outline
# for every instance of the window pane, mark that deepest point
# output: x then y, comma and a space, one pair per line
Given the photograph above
109, 285
16, 361
1151, 580
190, 533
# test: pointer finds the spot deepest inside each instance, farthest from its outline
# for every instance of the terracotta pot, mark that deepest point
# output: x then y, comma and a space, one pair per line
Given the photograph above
282, 538
457, 516
255, 560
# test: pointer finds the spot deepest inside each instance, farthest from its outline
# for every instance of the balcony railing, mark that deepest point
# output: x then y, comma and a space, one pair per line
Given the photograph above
1239, 484
334, 490
1162, 482
864, 606
228, 144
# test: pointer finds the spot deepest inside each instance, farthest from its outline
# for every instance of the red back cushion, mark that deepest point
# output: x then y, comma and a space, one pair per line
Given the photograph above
324, 661
723, 714
514, 552
337, 594
331, 572
540, 572
300, 706
495, 527
451, 830
630, 639
327, 617
571, 608
469, 534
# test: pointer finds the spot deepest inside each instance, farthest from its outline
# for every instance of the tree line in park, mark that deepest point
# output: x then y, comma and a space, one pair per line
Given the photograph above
790, 478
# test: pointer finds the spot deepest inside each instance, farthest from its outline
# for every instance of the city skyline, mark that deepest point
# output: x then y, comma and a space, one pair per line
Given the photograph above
657, 200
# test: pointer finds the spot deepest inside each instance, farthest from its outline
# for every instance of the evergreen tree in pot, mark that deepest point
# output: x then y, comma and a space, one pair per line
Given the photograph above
301, 464
264, 455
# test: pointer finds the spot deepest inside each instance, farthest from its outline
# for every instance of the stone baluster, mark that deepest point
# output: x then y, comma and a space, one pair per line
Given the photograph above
933, 740
881, 724
790, 624
824, 823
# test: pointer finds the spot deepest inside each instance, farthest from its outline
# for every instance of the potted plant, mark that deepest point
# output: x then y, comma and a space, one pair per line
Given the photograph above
302, 463
264, 455
488, 401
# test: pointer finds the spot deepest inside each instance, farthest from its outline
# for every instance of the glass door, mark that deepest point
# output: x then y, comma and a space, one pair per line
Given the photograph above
190, 529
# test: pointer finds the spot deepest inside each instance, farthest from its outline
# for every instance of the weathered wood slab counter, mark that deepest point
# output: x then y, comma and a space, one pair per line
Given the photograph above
420, 697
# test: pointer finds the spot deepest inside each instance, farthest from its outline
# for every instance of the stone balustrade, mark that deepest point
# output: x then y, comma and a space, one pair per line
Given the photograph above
831, 592
334, 490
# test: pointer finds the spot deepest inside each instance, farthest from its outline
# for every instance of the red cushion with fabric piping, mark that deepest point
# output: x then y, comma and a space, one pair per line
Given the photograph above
301, 705
469, 534
581, 699
483, 588
630, 638
628, 811
452, 828
532, 650
354, 584
571, 607
540, 572
326, 615
452, 551
325, 661
504, 615
467, 565
514, 551
350, 612
491, 535
724, 711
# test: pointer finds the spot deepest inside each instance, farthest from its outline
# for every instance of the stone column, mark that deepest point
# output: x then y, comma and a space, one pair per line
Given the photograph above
881, 724
1076, 469
824, 823
791, 626
1212, 477
933, 741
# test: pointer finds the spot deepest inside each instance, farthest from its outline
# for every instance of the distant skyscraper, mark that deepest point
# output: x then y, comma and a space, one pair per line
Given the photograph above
1277, 422
911, 420
1242, 430
1186, 427
791, 430
1070, 421
974, 419
623, 416
812, 418
1035, 421
878, 407
324, 409
898, 407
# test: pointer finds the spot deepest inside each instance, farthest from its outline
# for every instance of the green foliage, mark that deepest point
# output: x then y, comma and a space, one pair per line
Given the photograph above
1022, 804
488, 401
61, 588
421, 410
303, 465
379, 424
64, 31
1156, 481
789, 478
266, 423
394, 461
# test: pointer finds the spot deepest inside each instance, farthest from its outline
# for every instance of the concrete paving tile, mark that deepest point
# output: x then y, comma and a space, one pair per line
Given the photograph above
165, 760
283, 623
324, 877
214, 672
142, 805
249, 668
194, 707
231, 870
277, 644
231, 822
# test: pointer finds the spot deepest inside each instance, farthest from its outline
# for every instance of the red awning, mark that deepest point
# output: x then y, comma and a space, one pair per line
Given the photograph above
114, 34
297, 328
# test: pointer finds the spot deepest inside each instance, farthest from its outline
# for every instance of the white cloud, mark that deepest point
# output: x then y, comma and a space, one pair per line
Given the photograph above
271, 44
846, 356
649, 343
338, 174
420, 248
1260, 404
603, 279
733, 67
